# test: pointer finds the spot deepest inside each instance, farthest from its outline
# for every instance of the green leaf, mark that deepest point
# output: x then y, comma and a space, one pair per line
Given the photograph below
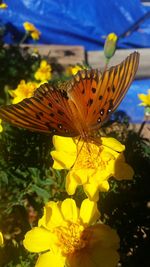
41, 192
4, 177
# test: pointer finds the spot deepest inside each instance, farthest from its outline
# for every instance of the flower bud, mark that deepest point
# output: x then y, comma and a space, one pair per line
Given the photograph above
110, 45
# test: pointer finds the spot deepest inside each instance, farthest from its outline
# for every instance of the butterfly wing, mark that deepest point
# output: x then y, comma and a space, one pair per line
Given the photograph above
113, 86
97, 95
90, 99
84, 90
48, 111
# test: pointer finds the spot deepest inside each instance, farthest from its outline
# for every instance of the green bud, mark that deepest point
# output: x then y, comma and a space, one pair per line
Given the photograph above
110, 45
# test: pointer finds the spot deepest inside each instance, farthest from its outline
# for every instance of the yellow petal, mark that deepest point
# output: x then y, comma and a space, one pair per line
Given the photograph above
37, 240
89, 212
1, 128
145, 99
43, 220
101, 257
112, 143
71, 183
49, 259
123, 171
65, 144
53, 218
69, 210
101, 175
82, 175
43, 64
28, 26
91, 190
104, 235
62, 160
101, 250
51, 209
3, 6
75, 69
104, 186
80, 259
111, 154
96, 257
1, 239
35, 35
107, 154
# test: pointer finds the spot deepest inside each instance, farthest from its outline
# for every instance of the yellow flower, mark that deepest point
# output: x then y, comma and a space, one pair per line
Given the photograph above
3, 6
1, 239
1, 127
69, 236
92, 165
73, 70
44, 71
35, 35
30, 28
110, 45
23, 90
145, 99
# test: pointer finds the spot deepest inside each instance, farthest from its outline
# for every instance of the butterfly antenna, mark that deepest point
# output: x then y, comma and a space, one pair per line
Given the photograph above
78, 140
99, 151
78, 150
88, 147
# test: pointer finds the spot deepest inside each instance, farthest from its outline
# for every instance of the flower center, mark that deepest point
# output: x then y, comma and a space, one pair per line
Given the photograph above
44, 69
71, 238
91, 156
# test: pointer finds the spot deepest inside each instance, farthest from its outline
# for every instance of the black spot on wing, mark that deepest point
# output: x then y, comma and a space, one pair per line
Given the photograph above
113, 89
50, 105
102, 111
93, 90
90, 102
38, 117
60, 126
41, 113
99, 120
60, 112
48, 125
110, 106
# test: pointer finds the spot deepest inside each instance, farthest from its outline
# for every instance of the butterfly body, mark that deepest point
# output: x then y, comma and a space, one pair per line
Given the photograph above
79, 110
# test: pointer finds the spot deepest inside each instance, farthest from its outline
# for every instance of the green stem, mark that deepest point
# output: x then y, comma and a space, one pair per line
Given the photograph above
106, 64
26, 35
141, 128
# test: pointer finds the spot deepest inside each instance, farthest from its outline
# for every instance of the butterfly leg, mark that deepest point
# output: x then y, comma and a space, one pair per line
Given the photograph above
79, 148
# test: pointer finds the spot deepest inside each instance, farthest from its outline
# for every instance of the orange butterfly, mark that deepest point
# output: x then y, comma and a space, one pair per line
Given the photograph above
89, 99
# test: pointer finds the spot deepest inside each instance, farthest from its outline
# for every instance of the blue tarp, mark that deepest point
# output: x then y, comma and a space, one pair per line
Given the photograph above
130, 103
74, 22
84, 22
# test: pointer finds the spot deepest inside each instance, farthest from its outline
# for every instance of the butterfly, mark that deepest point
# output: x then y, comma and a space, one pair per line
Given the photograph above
80, 108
